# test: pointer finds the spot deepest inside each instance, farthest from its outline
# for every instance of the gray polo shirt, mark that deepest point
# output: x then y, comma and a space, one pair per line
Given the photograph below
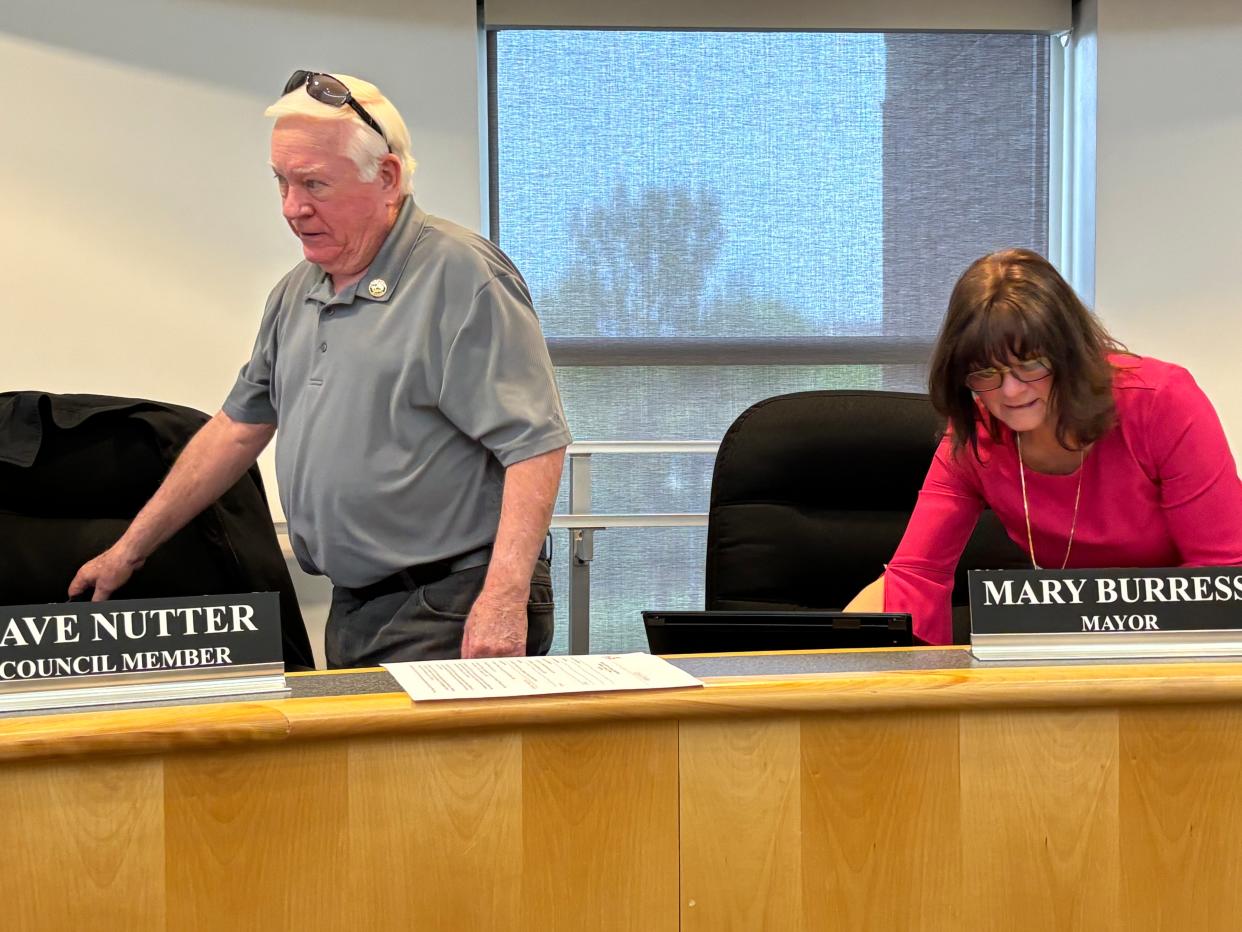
401, 400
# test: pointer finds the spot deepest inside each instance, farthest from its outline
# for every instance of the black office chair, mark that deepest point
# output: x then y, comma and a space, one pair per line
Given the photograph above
811, 493
75, 469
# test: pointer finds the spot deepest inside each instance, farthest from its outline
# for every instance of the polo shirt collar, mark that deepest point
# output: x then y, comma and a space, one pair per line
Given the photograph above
387, 266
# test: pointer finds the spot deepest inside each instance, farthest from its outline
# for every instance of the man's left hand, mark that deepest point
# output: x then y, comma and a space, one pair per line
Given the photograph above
495, 628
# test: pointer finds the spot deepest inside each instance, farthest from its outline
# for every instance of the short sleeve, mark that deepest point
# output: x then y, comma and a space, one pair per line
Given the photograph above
250, 400
498, 385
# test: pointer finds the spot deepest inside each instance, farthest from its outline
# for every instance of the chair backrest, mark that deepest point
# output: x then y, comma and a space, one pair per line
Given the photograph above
75, 469
811, 493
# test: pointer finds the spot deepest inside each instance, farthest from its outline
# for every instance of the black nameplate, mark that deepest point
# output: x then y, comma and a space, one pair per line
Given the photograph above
62, 645
1137, 601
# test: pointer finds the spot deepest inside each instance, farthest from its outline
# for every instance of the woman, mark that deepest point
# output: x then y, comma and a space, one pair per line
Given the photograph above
1090, 456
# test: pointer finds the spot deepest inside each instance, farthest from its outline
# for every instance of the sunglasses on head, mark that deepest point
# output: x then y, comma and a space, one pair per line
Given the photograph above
332, 91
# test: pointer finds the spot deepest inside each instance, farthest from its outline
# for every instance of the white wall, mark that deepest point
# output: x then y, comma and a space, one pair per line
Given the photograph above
1168, 250
141, 230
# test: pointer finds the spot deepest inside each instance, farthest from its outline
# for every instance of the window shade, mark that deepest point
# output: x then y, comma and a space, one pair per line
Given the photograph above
708, 219
1046, 16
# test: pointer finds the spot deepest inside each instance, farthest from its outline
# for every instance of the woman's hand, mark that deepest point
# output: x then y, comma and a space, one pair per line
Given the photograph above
870, 599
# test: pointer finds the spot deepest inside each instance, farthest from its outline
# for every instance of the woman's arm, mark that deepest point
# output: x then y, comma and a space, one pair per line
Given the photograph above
919, 578
1187, 454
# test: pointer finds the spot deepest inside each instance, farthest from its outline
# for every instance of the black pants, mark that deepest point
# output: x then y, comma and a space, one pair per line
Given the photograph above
426, 623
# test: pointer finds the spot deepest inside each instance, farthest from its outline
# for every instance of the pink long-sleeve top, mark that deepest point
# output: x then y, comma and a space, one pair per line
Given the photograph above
1159, 489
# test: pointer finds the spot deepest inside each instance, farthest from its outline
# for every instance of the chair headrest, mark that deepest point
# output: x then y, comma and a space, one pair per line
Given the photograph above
830, 449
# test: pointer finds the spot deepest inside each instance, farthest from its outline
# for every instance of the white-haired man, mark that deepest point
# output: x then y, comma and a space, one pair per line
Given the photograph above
421, 435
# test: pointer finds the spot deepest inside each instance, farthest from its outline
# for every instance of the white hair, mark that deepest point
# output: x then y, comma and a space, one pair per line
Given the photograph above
364, 146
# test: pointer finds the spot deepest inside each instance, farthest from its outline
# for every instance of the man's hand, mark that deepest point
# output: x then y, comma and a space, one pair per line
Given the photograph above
216, 457
496, 627
105, 574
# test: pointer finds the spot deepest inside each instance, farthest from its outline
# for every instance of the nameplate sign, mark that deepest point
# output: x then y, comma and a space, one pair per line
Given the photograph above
1109, 613
133, 650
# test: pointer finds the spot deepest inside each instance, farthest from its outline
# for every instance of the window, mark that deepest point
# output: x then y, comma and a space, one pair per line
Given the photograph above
706, 219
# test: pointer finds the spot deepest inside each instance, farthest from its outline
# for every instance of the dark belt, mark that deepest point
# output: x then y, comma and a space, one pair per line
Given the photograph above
424, 574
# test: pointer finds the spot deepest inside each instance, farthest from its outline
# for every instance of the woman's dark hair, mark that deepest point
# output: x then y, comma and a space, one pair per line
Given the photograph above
1013, 304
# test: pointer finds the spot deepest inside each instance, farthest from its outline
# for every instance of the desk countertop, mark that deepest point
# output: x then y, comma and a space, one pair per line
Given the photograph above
345, 703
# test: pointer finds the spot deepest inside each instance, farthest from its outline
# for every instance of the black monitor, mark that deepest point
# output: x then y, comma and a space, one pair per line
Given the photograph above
729, 632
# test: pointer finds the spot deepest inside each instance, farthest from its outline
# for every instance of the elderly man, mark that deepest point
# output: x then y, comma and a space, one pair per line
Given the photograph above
421, 435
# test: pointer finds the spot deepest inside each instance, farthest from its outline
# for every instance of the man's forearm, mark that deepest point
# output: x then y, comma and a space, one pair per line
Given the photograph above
214, 459
525, 512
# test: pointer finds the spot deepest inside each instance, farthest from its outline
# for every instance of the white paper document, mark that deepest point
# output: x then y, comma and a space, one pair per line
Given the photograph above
536, 676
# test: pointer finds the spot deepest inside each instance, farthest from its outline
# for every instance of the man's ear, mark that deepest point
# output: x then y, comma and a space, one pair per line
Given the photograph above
389, 175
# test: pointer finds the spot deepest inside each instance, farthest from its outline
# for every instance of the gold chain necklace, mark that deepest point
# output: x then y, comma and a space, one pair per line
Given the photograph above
1026, 509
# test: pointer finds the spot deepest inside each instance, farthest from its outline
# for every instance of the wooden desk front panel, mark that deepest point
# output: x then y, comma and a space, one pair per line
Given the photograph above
1098, 819
1031, 818
560, 828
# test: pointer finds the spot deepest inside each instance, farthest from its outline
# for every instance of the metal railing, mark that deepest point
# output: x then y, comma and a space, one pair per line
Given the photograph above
582, 523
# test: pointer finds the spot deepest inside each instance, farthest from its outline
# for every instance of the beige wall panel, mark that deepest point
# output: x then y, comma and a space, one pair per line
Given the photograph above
256, 839
881, 822
1165, 156
1181, 818
740, 825
159, 225
84, 845
436, 831
600, 827
1039, 819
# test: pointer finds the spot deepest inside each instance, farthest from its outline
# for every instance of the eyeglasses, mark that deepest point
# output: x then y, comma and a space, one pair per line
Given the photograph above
332, 91
1028, 370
